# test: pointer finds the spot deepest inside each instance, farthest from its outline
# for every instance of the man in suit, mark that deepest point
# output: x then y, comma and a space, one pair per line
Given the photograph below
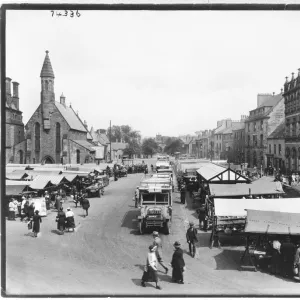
158, 243
191, 237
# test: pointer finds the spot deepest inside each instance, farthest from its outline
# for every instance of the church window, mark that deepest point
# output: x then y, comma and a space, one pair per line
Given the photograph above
37, 136
58, 143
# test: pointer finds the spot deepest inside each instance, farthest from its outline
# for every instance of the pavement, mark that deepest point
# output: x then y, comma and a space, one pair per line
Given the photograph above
106, 255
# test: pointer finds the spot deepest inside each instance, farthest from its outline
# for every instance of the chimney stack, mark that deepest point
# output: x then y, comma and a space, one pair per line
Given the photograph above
8, 88
292, 76
63, 100
15, 89
85, 124
286, 79
281, 90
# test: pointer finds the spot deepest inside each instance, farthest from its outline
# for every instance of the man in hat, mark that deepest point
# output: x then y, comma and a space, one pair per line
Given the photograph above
22, 208
191, 237
157, 242
137, 196
297, 260
178, 264
47, 200
86, 206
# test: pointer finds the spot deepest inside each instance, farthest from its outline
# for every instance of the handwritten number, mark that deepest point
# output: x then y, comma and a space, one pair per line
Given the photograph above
72, 14
58, 14
78, 14
52, 12
66, 13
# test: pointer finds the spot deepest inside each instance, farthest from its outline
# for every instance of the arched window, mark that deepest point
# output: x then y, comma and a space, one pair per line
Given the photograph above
78, 156
37, 136
58, 143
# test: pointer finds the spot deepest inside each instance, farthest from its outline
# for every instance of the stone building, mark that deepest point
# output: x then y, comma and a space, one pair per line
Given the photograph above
203, 144
292, 122
239, 143
276, 148
262, 121
15, 145
55, 133
101, 142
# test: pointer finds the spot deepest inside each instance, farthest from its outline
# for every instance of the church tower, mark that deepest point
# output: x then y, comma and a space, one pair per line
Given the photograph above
47, 93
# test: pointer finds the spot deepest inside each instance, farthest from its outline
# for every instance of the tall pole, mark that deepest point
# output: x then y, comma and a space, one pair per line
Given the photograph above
110, 140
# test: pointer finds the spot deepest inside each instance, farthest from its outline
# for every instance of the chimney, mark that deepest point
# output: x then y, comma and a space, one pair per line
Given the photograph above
8, 88
286, 79
63, 100
85, 124
15, 89
292, 76
281, 90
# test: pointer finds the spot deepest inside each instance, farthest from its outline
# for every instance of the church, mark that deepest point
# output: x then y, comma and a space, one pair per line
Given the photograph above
55, 133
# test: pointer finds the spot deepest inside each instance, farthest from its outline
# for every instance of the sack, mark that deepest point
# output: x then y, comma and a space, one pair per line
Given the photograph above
29, 225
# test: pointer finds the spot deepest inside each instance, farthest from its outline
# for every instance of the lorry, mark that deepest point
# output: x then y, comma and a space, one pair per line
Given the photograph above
96, 189
155, 204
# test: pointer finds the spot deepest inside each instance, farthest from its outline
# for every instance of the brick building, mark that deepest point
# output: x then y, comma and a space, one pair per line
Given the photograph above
55, 133
262, 121
15, 145
292, 122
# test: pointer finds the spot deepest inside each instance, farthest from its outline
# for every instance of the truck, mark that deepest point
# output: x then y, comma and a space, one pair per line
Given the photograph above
155, 209
96, 189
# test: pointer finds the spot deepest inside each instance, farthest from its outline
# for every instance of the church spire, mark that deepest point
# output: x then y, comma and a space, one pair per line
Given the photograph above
47, 70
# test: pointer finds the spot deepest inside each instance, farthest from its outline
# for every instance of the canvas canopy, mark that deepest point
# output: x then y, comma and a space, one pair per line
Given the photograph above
39, 184
244, 189
55, 179
272, 222
237, 207
14, 188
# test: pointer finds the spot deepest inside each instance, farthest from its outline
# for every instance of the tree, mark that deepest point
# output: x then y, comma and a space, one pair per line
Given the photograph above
123, 133
174, 146
149, 146
133, 148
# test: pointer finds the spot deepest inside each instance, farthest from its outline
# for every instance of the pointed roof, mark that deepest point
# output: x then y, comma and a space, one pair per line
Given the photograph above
47, 70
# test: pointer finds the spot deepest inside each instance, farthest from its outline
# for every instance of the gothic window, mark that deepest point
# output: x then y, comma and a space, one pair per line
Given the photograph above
78, 156
37, 136
58, 144
262, 125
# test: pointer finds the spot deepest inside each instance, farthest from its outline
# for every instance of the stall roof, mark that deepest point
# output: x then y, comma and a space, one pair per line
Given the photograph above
244, 189
237, 207
217, 174
14, 190
70, 177
55, 179
272, 222
17, 182
39, 184
79, 173
16, 175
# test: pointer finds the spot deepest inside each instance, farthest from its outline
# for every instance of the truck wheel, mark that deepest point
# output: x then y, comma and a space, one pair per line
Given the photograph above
141, 227
167, 227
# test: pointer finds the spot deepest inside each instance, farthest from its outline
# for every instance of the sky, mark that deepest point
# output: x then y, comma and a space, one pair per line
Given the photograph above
166, 72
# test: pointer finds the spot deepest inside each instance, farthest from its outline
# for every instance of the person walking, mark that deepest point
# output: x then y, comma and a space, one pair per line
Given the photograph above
150, 270
178, 264
191, 237
36, 220
23, 215
137, 196
182, 193
297, 261
47, 200
61, 220
158, 243
31, 210
203, 215
11, 210
70, 222
86, 206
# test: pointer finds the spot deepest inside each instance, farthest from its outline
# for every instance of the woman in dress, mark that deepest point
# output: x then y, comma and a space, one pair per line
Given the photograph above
70, 219
150, 272
178, 264
36, 220
61, 220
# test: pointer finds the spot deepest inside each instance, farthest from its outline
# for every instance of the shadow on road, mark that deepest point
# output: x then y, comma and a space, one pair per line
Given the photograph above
128, 219
228, 260
29, 234
56, 231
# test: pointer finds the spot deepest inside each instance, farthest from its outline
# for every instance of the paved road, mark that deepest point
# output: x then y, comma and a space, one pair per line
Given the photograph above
106, 255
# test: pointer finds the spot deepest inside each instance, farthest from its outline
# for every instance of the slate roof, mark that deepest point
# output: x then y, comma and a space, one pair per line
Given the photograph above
70, 117
271, 100
47, 70
85, 144
278, 133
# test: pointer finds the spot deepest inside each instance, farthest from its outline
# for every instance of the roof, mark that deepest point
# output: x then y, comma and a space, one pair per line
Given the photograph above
17, 175
278, 133
237, 207
238, 126
118, 146
103, 139
210, 170
39, 184
227, 130
14, 190
47, 70
17, 182
55, 179
70, 177
272, 222
270, 100
85, 144
70, 117
244, 189
220, 129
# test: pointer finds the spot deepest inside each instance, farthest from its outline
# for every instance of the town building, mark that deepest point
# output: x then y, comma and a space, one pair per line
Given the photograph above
188, 147
276, 148
239, 143
203, 144
117, 150
262, 121
101, 142
292, 122
15, 145
55, 133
